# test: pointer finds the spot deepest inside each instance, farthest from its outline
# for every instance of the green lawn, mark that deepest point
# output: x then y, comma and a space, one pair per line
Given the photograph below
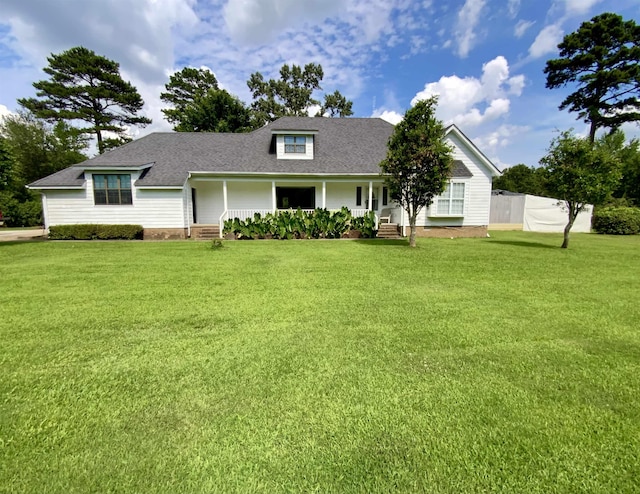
470, 365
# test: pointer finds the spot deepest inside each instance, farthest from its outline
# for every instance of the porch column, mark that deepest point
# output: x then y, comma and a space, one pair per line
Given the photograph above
274, 205
324, 194
224, 194
370, 195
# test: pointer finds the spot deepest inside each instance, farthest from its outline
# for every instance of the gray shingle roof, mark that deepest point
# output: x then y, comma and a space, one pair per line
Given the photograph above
341, 146
69, 177
460, 170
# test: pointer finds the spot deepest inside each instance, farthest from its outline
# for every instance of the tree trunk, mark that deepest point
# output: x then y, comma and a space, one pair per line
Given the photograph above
412, 235
592, 132
567, 229
100, 143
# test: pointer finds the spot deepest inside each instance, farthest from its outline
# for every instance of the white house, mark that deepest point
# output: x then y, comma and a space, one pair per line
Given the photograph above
178, 184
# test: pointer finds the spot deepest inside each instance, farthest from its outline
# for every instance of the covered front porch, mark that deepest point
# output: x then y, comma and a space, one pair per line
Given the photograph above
214, 200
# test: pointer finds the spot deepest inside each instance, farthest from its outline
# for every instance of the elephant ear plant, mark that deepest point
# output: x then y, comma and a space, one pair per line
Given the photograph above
286, 225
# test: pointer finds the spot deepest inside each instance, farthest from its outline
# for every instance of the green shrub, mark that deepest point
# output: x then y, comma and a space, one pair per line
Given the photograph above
320, 223
17, 213
617, 221
119, 232
366, 225
92, 232
72, 232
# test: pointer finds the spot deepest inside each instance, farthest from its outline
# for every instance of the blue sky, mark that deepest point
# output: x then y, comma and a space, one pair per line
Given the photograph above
485, 58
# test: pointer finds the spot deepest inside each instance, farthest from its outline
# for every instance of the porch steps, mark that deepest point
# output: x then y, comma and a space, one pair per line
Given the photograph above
388, 230
208, 233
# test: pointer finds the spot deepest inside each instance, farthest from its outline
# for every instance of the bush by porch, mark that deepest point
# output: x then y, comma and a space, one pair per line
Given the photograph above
318, 223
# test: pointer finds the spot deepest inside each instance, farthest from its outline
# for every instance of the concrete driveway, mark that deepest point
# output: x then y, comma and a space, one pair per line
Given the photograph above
31, 234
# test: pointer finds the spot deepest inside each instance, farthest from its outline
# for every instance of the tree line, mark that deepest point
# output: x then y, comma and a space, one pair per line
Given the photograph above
85, 96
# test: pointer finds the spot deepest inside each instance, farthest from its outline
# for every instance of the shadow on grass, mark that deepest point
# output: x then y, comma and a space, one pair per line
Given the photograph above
522, 243
382, 241
22, 241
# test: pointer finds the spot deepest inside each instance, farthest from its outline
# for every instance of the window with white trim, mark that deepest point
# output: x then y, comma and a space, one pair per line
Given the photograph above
451, 201
112, 189
295, 144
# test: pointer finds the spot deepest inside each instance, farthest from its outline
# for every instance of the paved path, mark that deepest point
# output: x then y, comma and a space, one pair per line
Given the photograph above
7, 235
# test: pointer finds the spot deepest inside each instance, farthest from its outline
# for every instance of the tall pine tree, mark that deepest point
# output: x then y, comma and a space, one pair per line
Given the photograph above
601, 58
87, 87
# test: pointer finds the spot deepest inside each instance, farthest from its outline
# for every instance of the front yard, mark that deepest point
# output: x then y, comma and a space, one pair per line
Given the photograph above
469, 365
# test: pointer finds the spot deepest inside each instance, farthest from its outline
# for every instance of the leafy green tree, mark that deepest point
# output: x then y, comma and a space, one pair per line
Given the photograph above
6, 165
292, 94
580, 173
87, 87
601, 58
183, 89
629, 188
39, 149
215, 111
335, 105
523, 179
31, 149
628, 153
419, 161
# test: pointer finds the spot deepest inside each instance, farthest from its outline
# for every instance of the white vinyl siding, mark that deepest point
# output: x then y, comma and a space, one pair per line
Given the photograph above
151, 208
477, 198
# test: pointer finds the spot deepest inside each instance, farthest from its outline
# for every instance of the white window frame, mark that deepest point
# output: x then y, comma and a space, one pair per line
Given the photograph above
434, 209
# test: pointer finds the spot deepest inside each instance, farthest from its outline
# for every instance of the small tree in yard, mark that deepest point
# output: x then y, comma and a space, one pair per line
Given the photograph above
580, 173
419, 162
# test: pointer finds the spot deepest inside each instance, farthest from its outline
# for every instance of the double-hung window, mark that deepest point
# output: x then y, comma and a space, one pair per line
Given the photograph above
451, 201
112, 189
295, 144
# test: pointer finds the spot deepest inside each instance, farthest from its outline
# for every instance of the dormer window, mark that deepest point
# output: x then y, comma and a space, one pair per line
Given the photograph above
295, 144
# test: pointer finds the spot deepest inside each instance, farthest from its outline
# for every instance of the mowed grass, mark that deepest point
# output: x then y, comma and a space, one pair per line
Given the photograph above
471, 365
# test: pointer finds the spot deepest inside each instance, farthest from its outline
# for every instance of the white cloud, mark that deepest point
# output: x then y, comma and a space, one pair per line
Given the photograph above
465, 31
579, 7
260, 21
388, 115
513, 7
313, 110
498, 139
516, 84
522, 27
45, 28
4, 112
256, 22
547, 41
461, 100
